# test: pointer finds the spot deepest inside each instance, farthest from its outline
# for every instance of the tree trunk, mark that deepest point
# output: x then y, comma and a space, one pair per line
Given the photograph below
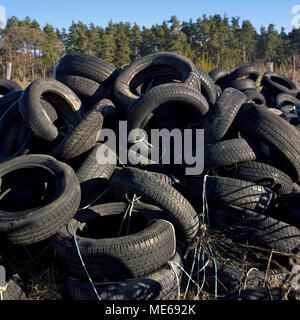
8, 71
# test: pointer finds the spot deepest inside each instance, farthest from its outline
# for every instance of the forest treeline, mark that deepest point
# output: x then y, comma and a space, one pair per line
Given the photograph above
210, 41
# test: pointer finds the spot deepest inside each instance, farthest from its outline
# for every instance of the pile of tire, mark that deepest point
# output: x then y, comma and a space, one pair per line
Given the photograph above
119, 231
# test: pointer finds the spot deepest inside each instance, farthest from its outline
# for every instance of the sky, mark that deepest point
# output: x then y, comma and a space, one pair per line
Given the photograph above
60, 13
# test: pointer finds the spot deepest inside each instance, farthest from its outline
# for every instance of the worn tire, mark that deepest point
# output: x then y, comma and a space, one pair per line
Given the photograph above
284, 139
155, 190
66, 103
180, 65
222, 114
7, 86
138, 115
227, 153
279, 83
249, 72
161, 284
222, 191
261, 174
247, 226
113, 258
256, 97
7, 100
241, 84
32, 225
93, 176
219, 75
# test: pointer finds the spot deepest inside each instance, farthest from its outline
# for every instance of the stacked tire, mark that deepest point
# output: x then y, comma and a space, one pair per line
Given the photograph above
125, 232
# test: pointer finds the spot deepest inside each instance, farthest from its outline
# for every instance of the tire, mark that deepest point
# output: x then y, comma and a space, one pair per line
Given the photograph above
261, 174
241, 84
284, 99
250, 72
208, 88
228, 153
156, 191
84, 65
11, 124
219, 90
289, 209
7, 86
184, 96
8, 100
59, 205
258, 294
279, 83
222, 191
222, 114
14, 289
83, 138
256, 229
161, 284
232, 279
66, 103
256, 97
296, 188
219, 75
178, 64
93, 177
113, 258
278, 134
270, 97
89, 91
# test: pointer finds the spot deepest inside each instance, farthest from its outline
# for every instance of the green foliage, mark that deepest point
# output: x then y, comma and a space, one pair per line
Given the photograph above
209, 42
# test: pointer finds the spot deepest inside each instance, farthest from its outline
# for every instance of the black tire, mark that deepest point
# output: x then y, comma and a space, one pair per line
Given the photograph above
289, 209
84, 65
11, 125
66, 103
7, 100
155, 190
89, 91
83, 137
219, 90
227, 153
232, 279
241, 84
93, 177
14, 289
283, 138
247, 226
59, 205
256, 97
219, 75
270, 97
222, 114
263, 294
7, 86
173, 94
261, 174
208, 88
279, 83
109, 257
284, 99
161, 284
249, 72
231, 192
180, 65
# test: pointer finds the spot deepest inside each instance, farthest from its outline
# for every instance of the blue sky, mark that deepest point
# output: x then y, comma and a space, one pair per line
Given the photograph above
60, 13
